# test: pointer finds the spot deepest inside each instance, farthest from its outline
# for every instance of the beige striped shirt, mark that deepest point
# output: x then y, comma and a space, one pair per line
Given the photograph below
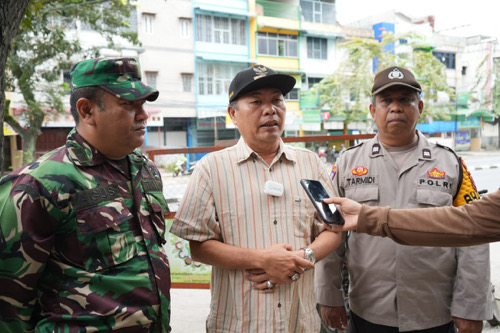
225, 201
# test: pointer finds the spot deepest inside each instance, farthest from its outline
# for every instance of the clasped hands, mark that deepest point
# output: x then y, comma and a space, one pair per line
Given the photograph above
280, 265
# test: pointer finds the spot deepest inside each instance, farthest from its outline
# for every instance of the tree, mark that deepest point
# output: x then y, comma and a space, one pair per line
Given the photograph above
47, 44
11, 14
347, 91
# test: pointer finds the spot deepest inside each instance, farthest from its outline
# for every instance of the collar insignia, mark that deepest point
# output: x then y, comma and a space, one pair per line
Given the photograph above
426, 153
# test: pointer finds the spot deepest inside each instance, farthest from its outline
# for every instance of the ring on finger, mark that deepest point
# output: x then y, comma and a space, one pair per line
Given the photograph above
295, 277
270, 285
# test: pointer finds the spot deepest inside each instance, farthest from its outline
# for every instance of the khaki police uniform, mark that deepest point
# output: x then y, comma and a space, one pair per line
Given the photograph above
411, 288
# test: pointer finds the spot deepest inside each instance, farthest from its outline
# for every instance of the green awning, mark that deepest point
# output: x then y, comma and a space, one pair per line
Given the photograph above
463, 112
486, 114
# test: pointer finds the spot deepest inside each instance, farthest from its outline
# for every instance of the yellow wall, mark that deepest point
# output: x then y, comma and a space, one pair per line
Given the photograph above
279, 63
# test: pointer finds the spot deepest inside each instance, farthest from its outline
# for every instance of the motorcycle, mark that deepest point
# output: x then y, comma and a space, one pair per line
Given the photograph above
181, 167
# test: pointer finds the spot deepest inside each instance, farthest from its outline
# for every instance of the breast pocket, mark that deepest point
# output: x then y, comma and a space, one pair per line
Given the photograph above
105, 235
433, 198
303, 216
365, 194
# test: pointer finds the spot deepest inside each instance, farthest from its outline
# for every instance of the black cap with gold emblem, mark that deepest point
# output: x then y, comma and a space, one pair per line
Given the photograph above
258, 77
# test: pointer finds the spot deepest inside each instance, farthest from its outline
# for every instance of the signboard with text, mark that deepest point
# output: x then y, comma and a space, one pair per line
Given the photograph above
462, 140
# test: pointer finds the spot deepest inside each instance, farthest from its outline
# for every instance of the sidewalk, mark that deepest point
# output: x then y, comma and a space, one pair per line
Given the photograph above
190, 309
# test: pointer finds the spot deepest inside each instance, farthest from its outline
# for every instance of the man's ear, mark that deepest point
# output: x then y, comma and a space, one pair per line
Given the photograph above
420, 106
232, 112
86, 111
372, 110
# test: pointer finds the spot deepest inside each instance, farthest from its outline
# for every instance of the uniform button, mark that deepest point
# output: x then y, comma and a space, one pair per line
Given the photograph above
275, 222
279, 305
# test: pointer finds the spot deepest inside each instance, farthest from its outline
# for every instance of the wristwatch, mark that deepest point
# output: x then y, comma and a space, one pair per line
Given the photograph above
309, 255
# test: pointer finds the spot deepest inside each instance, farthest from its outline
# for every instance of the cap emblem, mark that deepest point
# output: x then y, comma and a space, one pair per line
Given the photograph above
260, 71
395, 74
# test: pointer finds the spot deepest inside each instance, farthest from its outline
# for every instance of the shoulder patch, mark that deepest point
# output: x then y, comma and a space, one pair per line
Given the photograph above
468, 190
447, 148
355, 146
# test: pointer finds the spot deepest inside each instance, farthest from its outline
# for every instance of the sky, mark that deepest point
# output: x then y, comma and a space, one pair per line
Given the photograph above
452, 17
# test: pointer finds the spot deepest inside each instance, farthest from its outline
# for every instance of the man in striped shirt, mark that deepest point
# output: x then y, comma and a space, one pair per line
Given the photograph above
245, 213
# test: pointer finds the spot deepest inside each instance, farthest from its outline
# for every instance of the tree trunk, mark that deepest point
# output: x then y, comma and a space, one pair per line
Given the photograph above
29, 145
11, 14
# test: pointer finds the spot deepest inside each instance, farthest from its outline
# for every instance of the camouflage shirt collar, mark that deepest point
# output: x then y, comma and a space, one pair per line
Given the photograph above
82, 153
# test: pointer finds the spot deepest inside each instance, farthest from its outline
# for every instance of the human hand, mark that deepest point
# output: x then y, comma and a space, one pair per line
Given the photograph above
281, 263
350, 211
260, 281
468, 326
334, 316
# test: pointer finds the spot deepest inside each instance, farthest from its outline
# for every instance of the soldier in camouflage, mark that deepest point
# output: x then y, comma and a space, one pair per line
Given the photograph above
82, 228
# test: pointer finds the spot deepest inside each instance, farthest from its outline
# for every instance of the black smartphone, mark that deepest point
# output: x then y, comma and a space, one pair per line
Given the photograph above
316, 192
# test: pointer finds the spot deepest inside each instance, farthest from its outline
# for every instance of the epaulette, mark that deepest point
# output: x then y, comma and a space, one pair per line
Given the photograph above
356, 146
449, 149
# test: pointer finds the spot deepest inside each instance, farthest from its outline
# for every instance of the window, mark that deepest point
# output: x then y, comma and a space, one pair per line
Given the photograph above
293, 95
311, 81
277, 44
317, 48
448, 59
148, 20
151, 78
187, 82
318, 11
214, 79
464, 70
220, 30
185, 27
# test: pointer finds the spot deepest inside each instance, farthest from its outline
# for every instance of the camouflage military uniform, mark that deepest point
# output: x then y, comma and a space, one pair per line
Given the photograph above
80, 244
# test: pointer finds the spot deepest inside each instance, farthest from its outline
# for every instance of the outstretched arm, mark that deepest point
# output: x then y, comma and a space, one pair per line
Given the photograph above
472, 224
350, 211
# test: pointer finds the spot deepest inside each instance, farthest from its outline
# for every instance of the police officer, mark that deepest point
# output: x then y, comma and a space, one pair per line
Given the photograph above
81, 228
394, 288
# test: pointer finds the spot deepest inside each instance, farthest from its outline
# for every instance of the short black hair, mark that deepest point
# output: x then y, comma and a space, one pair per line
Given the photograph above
91, 93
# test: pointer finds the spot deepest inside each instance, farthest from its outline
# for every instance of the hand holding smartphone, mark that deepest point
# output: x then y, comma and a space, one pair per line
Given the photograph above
316, 192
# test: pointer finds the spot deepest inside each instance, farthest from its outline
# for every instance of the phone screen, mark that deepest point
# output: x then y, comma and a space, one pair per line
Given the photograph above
316, 192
